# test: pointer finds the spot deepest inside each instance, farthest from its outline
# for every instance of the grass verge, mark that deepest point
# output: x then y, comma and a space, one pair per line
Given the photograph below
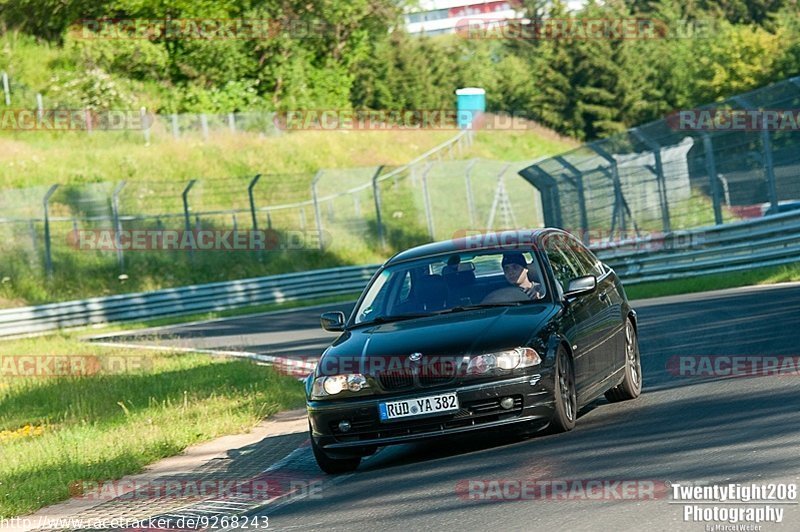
59, 430
756, 276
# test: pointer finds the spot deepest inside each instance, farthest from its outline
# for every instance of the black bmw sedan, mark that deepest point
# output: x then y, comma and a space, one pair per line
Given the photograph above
512, 329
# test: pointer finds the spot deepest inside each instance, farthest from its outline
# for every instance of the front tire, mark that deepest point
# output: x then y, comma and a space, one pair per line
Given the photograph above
333, 466
631, 385
566, 402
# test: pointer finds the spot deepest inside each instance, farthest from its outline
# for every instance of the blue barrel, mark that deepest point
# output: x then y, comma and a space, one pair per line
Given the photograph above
471, 103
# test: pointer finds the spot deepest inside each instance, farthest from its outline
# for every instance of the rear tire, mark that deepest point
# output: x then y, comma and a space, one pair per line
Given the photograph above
631, 385
566, 402
333, 466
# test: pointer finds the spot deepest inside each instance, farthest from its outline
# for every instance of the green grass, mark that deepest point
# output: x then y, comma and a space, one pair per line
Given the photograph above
756, 276
517, 145
57, 431
40, 159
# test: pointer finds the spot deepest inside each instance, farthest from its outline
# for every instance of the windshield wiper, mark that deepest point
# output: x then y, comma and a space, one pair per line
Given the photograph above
399, 317
462, 308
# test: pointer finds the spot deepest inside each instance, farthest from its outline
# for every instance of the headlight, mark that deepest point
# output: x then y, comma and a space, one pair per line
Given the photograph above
332, 385
521, 357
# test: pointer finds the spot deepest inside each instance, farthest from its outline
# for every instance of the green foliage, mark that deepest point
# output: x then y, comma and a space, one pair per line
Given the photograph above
232, 96
92, 89
335, 54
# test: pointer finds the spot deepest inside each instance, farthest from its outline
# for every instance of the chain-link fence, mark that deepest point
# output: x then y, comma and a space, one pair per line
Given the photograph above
156, 228
735, 159
138, 124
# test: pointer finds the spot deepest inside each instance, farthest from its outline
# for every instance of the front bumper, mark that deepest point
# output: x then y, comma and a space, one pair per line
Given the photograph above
479, 409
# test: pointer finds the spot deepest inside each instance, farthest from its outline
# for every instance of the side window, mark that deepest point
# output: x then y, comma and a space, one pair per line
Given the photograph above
405, 287
587, 262
562, 265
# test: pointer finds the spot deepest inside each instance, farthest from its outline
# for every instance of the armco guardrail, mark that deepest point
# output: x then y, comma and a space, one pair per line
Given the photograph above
735, 246
186, 300
768, 241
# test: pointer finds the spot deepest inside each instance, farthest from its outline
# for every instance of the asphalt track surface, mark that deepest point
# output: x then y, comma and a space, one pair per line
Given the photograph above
687, 430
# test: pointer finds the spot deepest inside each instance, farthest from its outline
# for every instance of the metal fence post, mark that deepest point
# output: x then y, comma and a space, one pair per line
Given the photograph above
655, 147
145, 127
620, 205
39, 108
48, 259
470, 200
766, 145
204, 125
315, 201
187, 223
175, 129
118, 225
769, 169
548, 188
75, 229
426, 201
34, 242
232, 122
713, 182
6, 90
253, 215
577, 181
376, 195
253, 201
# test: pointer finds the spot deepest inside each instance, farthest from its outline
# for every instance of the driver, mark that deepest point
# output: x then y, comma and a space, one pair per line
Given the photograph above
519, 275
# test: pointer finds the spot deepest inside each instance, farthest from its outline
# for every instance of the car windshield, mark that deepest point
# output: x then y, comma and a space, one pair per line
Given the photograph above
452, 283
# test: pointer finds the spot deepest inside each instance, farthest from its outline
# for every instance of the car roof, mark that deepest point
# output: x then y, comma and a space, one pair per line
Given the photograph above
480, 241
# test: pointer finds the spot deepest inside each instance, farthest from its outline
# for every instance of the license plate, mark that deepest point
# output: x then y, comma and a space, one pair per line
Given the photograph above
419, 406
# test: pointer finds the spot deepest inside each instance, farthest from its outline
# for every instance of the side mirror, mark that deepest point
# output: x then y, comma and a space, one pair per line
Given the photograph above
580, 286
332, 321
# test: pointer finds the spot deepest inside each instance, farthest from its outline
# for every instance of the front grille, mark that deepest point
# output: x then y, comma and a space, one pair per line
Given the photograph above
396, 380
438, 372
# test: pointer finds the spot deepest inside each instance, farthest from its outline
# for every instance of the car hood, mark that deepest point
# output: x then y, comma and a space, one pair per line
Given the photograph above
456, 334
